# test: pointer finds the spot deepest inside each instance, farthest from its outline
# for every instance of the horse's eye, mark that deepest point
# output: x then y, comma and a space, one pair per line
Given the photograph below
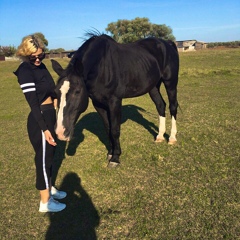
77, 92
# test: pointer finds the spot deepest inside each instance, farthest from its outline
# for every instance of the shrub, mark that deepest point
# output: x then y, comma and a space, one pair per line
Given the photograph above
7, 51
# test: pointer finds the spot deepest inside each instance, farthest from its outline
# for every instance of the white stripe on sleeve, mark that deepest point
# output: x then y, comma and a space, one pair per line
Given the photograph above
27, 85
29, 90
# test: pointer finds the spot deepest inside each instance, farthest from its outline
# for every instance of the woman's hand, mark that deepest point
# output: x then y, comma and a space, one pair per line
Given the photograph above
55, 103
49, 138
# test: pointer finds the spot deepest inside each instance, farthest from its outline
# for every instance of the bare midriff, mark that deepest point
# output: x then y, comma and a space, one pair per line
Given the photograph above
47, 101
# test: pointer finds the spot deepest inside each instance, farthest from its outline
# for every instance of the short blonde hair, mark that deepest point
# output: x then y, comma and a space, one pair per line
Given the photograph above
29, 45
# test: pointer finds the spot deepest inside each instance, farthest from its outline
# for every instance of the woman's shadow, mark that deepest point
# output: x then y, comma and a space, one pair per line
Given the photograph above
79, 219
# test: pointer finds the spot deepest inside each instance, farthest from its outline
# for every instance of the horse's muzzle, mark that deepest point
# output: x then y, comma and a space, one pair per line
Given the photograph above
63, 138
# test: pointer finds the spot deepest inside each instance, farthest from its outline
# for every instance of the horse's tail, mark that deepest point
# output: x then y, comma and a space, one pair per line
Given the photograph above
180, 108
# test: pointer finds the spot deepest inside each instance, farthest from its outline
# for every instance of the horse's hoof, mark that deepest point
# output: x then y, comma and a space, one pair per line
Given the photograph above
159, 140
172, 141
113, 164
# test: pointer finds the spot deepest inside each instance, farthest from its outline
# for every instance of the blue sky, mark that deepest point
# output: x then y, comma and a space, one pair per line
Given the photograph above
64, 21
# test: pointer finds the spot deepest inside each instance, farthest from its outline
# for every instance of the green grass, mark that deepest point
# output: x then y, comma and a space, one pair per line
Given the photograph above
187, 191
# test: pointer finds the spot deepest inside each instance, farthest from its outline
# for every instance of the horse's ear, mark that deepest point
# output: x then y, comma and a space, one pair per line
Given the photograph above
57, 67
79, 67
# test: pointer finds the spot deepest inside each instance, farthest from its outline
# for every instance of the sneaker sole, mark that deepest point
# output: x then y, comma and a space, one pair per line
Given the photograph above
56, 197
54, 210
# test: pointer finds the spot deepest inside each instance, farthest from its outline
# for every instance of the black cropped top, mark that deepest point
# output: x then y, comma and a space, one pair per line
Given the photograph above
37, 85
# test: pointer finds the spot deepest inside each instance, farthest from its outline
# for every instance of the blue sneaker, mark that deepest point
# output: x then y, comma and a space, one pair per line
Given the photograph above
51, 206
56, 194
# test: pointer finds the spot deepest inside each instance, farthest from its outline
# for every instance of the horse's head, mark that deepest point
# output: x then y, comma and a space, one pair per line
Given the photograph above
72, 98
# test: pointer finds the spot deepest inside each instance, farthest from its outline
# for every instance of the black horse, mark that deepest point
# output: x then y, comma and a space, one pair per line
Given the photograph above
107, 72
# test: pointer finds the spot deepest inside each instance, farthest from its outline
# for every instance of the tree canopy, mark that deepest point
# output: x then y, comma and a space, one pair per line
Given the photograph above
45, 42
125, 31
57, 50
42, 37
7, 51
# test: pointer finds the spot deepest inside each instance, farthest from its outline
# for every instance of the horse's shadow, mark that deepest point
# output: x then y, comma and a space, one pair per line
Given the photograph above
94, 124
79, 219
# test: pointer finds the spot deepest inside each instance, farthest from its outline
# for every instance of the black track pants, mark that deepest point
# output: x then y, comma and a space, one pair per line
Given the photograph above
44, 152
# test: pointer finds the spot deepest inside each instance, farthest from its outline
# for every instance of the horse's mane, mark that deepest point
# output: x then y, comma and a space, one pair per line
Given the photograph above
91, 33
88, 38
95, 34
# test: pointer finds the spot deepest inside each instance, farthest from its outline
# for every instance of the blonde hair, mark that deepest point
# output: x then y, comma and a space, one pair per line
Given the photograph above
29, 45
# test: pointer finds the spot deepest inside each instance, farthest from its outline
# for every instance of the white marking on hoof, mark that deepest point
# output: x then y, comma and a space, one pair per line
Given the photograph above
172, 141
159, 140
161, 130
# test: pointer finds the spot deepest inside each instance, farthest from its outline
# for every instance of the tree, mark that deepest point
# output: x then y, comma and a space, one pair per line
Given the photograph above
7, 51
125, 31
58, 50
161, 31
42, 37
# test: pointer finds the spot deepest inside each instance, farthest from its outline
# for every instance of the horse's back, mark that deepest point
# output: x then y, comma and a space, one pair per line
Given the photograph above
125, 70
164, 51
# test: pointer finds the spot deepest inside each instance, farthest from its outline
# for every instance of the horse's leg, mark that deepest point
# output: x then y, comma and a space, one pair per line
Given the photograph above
161, 107
102, 111
115, 123
173, 105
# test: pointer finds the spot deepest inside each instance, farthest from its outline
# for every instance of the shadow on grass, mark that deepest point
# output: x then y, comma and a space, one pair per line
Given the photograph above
94, 124
79, 219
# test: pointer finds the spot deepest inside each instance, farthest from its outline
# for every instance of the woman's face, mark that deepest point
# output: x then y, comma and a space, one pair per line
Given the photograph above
37, 57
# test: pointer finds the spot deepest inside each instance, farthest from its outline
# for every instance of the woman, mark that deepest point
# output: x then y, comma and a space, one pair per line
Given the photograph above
38, 88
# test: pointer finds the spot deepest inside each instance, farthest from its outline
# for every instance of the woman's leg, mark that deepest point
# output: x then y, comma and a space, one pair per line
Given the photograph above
44, 195
44, 153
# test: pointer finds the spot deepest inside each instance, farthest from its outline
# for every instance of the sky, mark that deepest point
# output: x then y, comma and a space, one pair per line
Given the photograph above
64, 22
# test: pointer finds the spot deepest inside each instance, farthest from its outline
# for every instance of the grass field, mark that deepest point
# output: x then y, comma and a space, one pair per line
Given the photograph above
187, 191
